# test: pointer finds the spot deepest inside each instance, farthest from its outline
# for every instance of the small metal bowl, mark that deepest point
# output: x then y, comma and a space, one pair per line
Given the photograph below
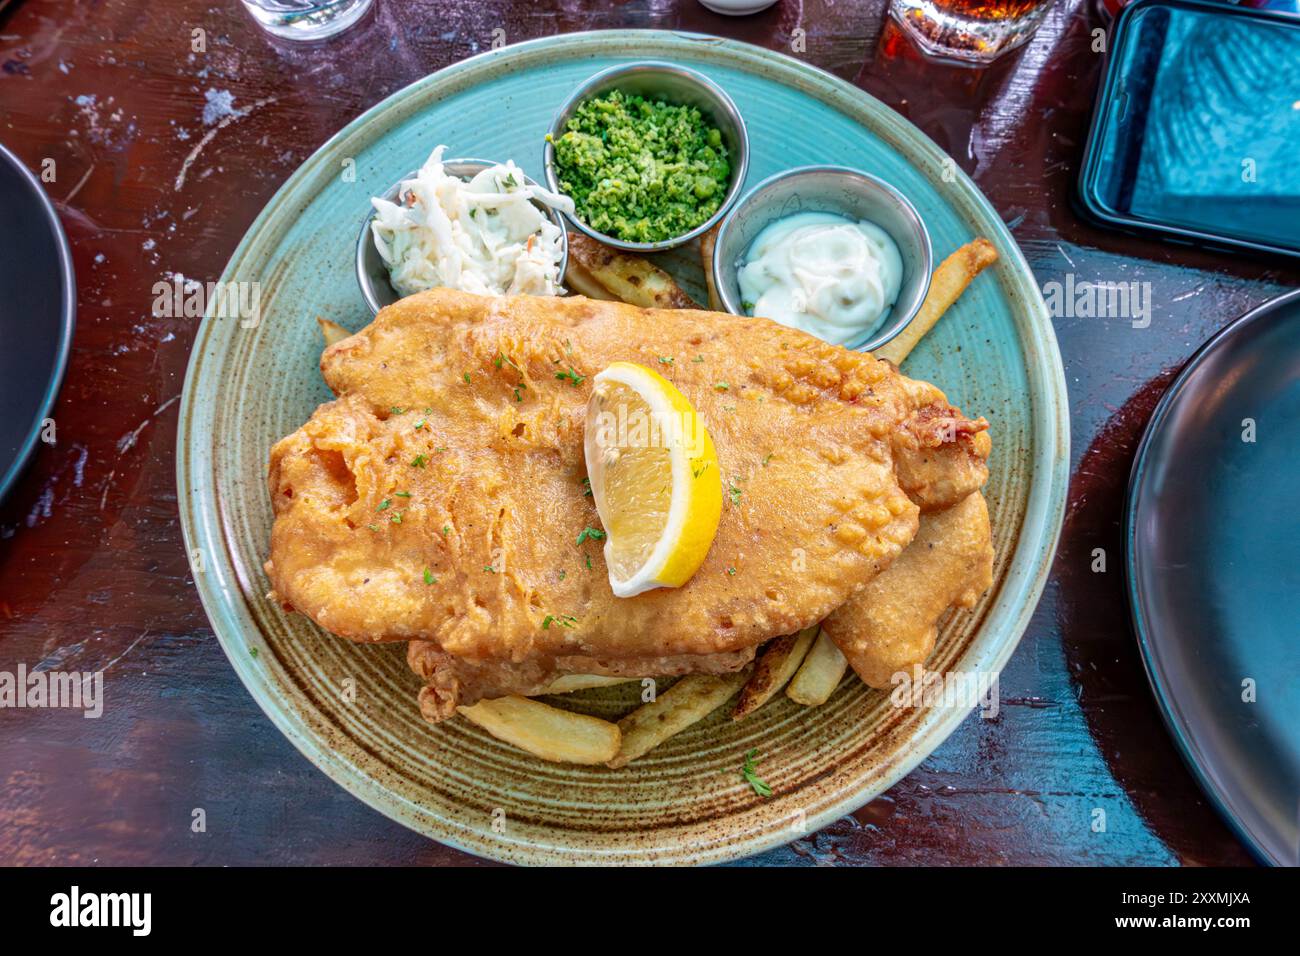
834, 189
372, 273
653, 79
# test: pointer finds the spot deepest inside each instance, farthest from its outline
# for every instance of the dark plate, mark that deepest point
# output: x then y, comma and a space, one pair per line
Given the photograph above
37, 309
1214, 571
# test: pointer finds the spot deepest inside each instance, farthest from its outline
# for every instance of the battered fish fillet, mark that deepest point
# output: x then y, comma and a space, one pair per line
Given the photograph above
891, 624
452, 681
440, 498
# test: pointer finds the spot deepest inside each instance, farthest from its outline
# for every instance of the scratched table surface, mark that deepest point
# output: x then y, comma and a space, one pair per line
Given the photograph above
163, 156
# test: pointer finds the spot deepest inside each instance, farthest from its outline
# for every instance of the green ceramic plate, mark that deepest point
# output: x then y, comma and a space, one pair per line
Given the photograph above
351, 709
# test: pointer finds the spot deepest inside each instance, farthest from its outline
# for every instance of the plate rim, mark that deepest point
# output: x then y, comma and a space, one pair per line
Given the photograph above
1174, 723
1022, 586
67, 321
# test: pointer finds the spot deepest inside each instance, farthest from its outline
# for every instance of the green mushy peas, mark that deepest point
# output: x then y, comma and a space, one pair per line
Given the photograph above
641, 170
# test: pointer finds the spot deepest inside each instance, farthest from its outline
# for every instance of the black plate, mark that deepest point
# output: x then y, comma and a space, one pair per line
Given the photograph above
1213, 565
38, 301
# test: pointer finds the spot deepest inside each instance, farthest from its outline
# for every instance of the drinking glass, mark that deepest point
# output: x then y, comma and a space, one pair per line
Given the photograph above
306, 19
973, 32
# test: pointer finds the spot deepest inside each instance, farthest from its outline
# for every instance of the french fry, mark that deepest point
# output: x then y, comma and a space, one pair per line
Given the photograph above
950, 281
775, 666
819, 675
332, 331
546, 732
691, 699
707, 242
626, 277
568, 683
579, 280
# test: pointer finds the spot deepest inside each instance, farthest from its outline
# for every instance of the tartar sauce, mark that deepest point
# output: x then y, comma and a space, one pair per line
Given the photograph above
825, 274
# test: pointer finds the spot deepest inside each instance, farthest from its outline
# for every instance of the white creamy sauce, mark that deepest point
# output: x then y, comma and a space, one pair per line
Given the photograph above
825, 274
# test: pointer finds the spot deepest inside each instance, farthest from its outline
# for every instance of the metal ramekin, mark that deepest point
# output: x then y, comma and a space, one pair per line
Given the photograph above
372, 273
680, 86
836, 189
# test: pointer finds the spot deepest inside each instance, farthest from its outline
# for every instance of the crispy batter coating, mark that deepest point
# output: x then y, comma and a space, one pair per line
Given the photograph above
440, 497
942, 457
891, 624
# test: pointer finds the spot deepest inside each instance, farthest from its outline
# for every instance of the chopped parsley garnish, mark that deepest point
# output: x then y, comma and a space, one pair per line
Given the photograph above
572, 375
446, 530
768, 458
702, 469
563, 574
418, 461
429, 578
419, 424
721, 386
735, 494
396, 411
698, 359
751, 777
666, 359
731, 571
588, 562
586, 486
489, 569
396, 518
402, 494
498, 360
564, 620
466, 376
384, 505
253, 651
594, 534
747, 306
373, 527
518, 397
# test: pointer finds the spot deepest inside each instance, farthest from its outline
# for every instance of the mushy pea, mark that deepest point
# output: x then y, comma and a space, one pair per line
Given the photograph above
641, 170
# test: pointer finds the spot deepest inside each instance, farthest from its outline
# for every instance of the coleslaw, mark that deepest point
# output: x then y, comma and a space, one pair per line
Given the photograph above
486, 236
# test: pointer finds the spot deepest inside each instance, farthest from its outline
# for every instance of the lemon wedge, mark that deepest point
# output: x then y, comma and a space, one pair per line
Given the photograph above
654, 477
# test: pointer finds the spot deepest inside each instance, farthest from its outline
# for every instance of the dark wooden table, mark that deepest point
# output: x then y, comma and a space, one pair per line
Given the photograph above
92, 571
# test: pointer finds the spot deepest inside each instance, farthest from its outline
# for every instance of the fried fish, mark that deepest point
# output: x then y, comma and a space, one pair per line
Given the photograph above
440, 499
891, 624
